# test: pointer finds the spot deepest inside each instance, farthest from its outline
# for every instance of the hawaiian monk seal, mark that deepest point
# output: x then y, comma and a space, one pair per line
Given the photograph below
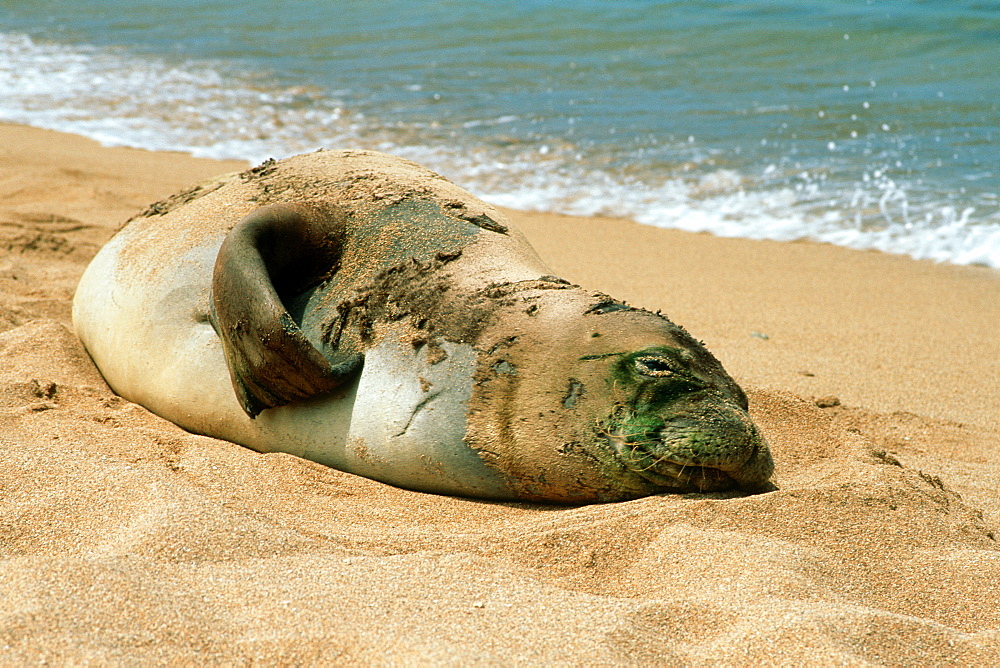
358, 310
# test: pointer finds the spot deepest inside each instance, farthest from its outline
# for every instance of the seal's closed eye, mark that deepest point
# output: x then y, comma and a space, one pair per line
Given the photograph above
657, 367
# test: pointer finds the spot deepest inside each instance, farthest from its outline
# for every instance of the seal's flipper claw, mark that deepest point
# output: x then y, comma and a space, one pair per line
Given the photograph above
270, 360
251, 405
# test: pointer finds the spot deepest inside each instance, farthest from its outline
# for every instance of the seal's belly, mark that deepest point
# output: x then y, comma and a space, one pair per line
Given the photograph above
402, 422
409, 421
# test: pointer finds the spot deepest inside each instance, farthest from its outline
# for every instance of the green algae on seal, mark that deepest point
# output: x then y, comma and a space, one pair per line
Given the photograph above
361, 311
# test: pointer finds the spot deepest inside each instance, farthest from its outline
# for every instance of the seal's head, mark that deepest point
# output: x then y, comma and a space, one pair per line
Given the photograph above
606, 402
679, 429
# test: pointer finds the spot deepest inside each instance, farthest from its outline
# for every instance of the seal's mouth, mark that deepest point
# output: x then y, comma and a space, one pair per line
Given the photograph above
707, 450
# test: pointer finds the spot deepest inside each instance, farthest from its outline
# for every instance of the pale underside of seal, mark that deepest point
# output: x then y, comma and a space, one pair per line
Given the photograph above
358, 310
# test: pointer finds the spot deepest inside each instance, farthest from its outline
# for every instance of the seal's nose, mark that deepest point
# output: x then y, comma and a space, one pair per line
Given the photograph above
709, 448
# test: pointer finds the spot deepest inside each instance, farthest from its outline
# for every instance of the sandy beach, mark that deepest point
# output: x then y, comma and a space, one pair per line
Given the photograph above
876, 379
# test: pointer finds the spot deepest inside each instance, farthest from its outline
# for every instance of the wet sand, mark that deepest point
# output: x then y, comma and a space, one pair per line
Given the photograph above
124, 539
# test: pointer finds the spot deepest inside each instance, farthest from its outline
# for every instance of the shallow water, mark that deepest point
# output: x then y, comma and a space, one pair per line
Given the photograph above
867, 125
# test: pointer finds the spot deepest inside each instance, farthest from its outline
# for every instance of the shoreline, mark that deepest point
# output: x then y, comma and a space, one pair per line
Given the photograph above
124, 539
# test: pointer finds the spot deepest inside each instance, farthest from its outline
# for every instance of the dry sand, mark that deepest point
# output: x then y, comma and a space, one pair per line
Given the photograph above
124, 539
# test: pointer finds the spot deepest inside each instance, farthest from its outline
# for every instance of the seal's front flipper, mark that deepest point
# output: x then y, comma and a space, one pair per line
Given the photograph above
278, 248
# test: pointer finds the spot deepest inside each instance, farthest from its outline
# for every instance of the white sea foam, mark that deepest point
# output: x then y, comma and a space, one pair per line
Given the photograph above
119, 99
213, 110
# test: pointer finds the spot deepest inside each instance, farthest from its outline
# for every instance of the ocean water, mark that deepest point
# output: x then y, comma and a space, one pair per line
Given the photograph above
866, 124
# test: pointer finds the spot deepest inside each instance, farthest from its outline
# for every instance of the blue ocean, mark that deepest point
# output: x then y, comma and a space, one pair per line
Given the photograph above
865, 124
